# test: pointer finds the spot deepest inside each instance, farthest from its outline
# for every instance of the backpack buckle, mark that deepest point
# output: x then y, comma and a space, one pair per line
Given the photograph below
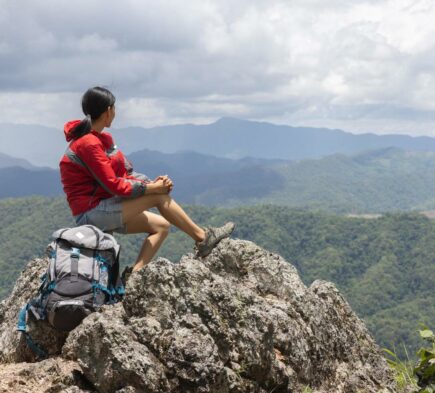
75, 252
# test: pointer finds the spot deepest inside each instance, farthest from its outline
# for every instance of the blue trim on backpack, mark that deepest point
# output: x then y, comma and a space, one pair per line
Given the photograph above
44, 289
102, 288
40, 353
120, 290
22, 327
100, 258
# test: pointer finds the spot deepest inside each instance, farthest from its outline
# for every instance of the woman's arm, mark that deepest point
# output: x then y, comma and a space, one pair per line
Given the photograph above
131, 173
97, 162
140, 176
151, 185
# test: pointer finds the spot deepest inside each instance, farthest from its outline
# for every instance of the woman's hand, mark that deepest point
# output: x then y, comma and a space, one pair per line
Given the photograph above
157, 187
167, 181
160, 185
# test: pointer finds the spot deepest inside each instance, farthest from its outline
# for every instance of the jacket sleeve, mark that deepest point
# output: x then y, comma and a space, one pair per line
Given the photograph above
133, 174
98, 164
139, 176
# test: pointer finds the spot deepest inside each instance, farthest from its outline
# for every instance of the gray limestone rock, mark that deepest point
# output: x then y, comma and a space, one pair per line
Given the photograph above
111, 356
240, 320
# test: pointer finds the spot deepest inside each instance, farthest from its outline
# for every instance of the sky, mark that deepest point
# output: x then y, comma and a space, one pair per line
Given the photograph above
361, 66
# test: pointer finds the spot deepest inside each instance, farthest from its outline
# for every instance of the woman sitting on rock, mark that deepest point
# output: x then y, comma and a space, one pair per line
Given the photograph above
103, 190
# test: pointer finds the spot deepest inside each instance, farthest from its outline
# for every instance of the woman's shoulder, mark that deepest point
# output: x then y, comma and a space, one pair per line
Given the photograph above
107, 138
86, 141
92, 139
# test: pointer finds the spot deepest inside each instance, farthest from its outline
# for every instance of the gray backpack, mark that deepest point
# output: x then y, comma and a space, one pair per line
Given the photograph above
82, 275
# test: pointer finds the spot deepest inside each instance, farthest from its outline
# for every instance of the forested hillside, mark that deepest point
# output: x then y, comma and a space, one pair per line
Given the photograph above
385, 267
372, 182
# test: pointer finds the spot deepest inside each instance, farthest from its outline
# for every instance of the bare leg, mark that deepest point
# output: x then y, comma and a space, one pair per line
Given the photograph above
173, 212
168, 208
157, 227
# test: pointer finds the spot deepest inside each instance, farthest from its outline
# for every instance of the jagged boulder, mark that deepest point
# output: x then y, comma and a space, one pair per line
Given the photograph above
240, 320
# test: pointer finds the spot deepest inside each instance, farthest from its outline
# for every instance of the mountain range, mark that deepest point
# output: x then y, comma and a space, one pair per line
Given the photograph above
7, 161
372, 182
227, 137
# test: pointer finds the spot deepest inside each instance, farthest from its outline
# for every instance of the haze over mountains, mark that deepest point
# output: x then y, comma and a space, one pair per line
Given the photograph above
7, 161
234, 138
372, 182
198, 177
41, 146
227, 137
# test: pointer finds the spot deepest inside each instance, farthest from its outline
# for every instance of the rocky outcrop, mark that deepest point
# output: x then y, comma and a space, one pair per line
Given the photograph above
240, 320
54, 375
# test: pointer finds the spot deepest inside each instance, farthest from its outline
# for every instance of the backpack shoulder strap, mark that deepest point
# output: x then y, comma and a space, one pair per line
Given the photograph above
22, 327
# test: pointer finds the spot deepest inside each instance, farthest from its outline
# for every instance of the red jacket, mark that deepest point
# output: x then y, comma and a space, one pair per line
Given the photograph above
93, 169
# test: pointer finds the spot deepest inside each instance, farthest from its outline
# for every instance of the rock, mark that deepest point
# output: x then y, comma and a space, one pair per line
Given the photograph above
47, 376
240, 320
13, 346
111, 356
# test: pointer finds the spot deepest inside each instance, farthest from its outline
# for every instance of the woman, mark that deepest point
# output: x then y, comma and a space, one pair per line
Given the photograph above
103, 190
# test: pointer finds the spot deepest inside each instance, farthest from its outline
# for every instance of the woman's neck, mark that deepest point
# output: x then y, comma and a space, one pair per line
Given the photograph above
98, 126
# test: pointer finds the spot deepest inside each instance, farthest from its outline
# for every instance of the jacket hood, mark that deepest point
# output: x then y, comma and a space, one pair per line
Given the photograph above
68, 129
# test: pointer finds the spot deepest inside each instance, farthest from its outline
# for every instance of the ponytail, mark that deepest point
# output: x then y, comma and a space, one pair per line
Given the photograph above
83, 128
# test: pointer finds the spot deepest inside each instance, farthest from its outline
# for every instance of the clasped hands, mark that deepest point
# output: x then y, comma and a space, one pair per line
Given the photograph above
167, 182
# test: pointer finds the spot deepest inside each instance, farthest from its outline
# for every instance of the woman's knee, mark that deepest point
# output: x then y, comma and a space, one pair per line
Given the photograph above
163, 227
166, 225
163, 200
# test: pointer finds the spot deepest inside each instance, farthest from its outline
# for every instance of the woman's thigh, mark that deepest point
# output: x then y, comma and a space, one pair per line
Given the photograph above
147, 222
131, 208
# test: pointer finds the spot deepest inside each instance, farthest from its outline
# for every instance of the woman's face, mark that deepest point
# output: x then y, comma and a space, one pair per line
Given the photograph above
110, 115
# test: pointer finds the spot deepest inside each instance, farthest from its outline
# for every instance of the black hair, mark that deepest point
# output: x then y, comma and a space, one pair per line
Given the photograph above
95, 102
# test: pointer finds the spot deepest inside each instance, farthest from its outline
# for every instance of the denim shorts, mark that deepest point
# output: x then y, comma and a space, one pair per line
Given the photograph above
107, 216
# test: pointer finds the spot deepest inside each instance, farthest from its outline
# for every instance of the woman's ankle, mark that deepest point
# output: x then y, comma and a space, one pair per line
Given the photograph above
137, 267
200, 236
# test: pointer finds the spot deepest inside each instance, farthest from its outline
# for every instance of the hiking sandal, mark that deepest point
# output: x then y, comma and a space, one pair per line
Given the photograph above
213, 235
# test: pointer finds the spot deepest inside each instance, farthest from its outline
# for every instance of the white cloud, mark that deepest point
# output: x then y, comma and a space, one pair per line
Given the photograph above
39, 108
362, 65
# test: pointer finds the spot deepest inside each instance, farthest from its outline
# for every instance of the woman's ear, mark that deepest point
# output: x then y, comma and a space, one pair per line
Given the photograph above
109, 115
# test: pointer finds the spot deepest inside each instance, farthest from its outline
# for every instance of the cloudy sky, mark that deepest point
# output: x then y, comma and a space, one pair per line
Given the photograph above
356, 65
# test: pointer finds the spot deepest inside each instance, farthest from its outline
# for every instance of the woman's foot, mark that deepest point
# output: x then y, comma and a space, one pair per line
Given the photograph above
213, 236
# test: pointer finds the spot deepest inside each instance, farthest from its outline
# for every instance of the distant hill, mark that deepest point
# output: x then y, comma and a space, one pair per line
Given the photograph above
227, 137
197, 176
372, 182
191, 163
18, 182
235, 138
8, 161
41, 146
